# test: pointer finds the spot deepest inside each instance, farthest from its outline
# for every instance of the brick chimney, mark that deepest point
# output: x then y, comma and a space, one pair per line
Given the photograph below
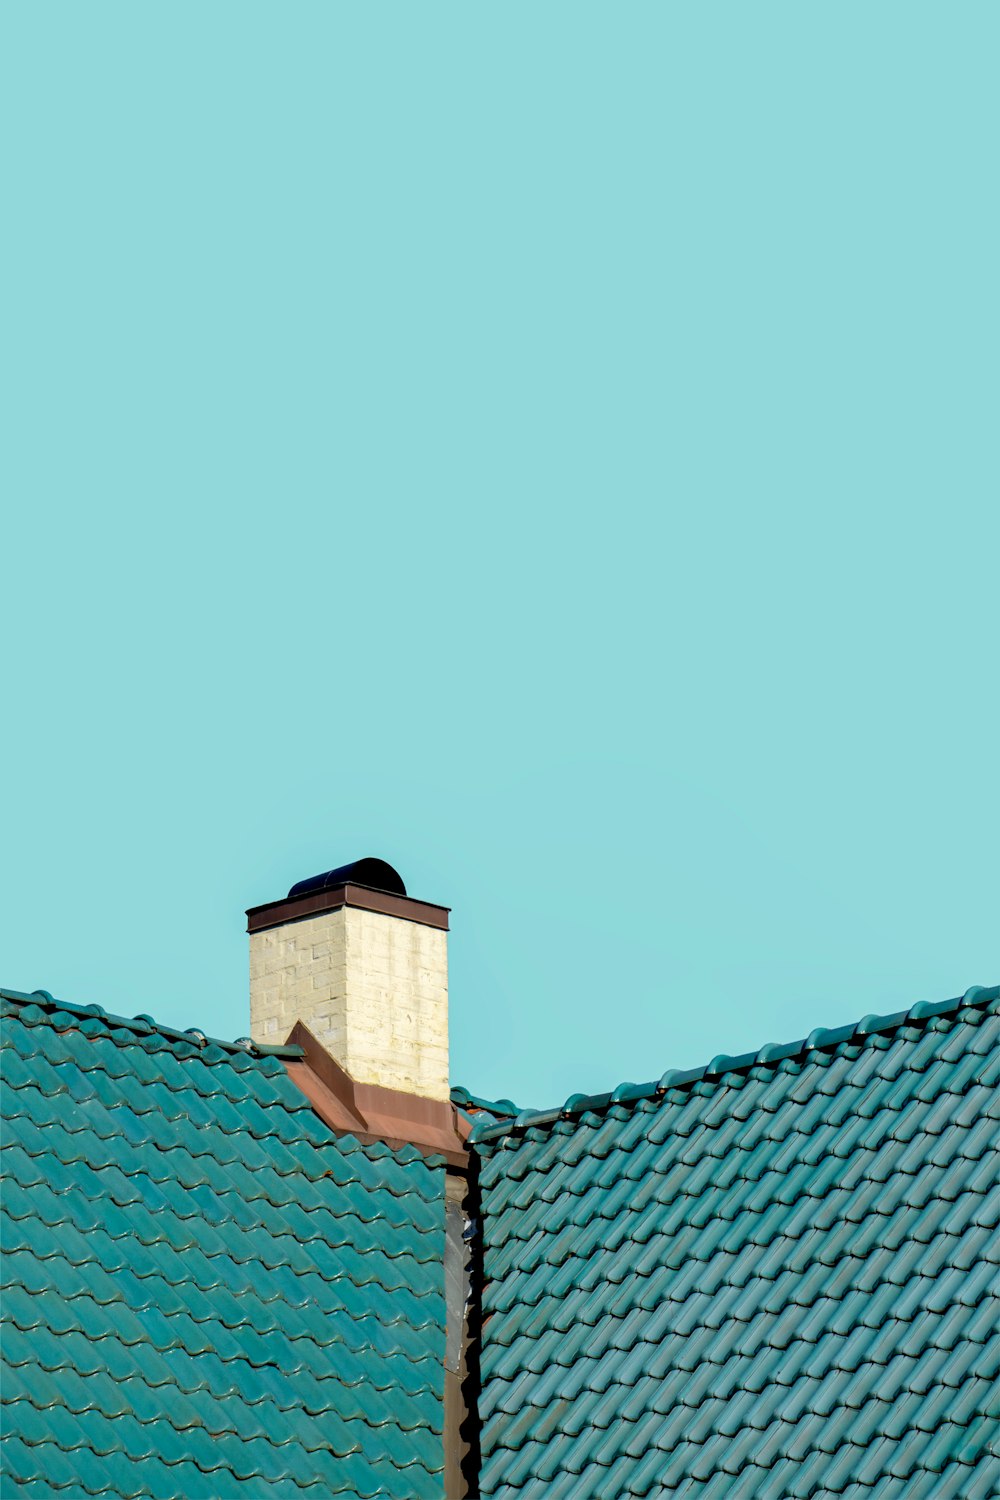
364, 967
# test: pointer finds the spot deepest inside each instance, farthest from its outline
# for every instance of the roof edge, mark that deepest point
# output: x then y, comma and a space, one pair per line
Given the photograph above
819, 1040
144, 1025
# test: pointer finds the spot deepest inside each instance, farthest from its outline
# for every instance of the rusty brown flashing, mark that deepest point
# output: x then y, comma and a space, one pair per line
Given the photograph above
295, 908
372, 1113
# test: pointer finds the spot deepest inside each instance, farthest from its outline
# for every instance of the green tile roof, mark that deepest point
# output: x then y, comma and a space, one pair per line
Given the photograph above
475, 1108
773, 1277
205, 1292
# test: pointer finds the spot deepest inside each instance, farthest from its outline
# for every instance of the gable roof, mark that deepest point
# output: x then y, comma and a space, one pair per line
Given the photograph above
772, 1277
206, 1290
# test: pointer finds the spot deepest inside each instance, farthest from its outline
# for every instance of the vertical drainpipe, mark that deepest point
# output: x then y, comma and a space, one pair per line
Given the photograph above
461, 1374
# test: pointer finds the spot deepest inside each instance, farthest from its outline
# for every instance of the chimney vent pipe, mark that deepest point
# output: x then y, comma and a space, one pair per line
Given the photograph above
375, 874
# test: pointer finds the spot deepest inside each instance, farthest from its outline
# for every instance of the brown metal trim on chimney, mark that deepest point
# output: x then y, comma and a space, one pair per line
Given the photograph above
294, 909
372, 1113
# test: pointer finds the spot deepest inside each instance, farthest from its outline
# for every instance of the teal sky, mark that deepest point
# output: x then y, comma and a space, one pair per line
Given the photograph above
550, 447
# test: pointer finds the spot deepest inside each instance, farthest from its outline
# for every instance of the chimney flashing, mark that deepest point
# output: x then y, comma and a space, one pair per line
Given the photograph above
370, 1112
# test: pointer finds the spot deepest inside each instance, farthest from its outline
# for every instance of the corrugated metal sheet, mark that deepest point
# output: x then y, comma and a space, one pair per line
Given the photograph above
773, 1277
205, 1292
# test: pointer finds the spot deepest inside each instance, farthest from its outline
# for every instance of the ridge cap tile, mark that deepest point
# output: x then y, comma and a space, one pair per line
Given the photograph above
144, 1025
820, 1039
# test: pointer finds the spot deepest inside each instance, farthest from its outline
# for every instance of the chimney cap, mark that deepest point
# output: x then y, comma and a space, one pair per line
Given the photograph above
376, 874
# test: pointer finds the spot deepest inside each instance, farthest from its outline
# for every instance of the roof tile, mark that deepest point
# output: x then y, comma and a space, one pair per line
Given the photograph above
184, 1236
767, 1278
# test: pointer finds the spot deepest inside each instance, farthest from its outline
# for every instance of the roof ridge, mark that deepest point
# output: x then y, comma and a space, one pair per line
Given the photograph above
145, 1025
819, 1039
466, 1100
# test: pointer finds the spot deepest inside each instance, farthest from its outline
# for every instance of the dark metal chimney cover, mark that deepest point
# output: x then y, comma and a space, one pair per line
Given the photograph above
373, 873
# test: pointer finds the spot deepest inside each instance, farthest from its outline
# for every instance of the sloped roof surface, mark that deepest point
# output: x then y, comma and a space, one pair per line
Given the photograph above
772, 1277
205, 1292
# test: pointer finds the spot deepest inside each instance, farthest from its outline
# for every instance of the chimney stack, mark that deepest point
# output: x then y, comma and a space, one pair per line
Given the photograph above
364, 967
